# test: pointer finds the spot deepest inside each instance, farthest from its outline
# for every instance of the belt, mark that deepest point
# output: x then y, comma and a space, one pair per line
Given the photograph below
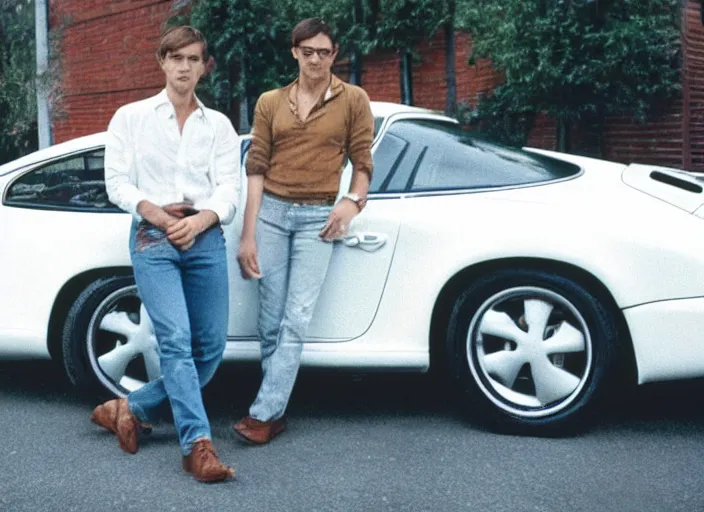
315, 201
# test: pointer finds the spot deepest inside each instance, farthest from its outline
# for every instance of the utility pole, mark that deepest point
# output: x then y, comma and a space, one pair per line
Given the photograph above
42, 42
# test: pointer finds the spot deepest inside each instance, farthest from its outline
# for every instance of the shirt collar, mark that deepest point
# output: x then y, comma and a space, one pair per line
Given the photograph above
164, 107
335, 88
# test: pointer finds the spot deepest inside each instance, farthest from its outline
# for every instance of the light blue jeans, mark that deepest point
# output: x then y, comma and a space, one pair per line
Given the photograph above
293, 261
186, 296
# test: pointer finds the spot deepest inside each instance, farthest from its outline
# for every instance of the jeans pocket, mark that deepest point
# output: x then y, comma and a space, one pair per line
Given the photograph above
147, 236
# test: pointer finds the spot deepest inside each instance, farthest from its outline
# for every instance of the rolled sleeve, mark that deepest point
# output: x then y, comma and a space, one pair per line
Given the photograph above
361, 135
259, 154
225, 174
119, 178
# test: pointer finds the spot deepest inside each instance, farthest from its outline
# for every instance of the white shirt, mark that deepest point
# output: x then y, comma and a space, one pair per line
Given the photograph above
146, 158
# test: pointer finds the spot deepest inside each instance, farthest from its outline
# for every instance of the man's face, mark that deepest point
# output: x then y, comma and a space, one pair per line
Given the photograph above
184, 67
315, 56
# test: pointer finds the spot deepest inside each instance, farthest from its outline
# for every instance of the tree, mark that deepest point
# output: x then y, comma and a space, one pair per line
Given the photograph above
249, 41
577, 60
400, 25
18, 106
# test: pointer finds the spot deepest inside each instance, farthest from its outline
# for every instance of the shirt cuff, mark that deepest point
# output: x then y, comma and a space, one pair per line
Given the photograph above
223, 209
130, 204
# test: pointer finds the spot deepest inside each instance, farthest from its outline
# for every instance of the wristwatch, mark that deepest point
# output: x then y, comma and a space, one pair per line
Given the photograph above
359, 201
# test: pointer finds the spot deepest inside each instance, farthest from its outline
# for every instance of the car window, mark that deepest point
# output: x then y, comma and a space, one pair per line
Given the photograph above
74, 183
378, 121
244, 150
387, 157
416, 155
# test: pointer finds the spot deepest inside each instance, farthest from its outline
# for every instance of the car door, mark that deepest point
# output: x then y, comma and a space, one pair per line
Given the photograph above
357, 273
357, 277
244, 299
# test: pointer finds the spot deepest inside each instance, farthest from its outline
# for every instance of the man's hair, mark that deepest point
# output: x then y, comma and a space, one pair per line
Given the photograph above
175, 38
309, 28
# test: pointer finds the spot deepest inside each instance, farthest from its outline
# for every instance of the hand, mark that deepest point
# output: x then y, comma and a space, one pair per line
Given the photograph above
180, 210
156, 216
183, 232
247, 258
339, 220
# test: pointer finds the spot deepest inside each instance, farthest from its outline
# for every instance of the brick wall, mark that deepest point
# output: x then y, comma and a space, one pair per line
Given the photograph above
381, 74
676, 139
108, 59
693, 86
380, 77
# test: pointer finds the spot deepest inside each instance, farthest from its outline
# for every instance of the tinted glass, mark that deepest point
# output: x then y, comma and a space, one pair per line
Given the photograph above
387, 156
76, 183
377, 125
435, 155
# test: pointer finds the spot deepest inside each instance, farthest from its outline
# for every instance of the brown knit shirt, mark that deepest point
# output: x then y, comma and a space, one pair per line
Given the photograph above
303, 160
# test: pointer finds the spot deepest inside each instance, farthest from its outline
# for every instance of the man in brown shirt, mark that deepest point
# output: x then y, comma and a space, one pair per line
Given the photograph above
301, 137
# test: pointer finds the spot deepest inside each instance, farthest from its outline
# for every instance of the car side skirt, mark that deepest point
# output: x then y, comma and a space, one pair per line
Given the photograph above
23, 344
339, 355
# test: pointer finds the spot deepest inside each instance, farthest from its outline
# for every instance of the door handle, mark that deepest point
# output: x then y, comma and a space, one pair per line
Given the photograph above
369, 242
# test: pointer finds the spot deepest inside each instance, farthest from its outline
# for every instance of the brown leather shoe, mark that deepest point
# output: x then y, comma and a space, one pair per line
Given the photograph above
253, 431
204, 464
115, 415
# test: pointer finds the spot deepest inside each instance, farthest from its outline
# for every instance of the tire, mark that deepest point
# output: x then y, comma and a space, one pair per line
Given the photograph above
108, 344
531, 353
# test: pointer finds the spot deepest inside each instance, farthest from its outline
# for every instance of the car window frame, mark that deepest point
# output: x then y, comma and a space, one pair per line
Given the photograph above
408, 193
23, 171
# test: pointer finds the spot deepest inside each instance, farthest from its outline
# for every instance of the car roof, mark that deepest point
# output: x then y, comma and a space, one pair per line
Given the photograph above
64, 148
379, 109
386, 109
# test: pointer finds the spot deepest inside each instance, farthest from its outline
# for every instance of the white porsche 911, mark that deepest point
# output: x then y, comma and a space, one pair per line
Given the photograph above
538, 282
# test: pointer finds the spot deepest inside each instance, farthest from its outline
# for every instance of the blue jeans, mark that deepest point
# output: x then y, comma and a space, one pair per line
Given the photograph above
186, 296
293, 261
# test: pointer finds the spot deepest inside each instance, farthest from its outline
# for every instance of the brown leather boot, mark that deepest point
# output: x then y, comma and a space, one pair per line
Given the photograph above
204, 464
115, 415
253, 431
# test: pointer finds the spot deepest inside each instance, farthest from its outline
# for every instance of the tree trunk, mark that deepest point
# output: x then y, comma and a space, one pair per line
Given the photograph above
406, 77
374, 14
243, 123
355, 63
564, 138
450, 68
600, 126
355, 68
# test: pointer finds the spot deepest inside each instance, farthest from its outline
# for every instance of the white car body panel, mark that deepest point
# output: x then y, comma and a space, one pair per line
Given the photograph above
376, 307
670, 338
100, 242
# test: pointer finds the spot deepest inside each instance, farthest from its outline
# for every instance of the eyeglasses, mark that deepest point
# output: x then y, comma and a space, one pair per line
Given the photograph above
308, 51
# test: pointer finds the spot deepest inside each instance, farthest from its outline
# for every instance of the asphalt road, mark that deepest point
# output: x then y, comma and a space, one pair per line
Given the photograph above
355, 443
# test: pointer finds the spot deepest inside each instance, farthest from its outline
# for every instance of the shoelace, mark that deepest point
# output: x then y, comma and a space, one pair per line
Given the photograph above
204, 452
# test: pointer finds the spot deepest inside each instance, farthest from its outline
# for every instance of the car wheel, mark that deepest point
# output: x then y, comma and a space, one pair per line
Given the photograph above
531, 352
108, 342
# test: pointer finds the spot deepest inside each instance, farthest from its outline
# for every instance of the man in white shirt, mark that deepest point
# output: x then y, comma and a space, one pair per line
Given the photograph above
174, 165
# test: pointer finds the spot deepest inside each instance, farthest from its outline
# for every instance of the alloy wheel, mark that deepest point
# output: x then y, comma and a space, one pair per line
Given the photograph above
530, 351
121, 344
